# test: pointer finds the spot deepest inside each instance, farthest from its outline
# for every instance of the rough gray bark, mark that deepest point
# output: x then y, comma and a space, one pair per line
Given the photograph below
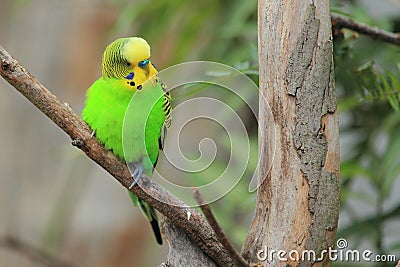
182, 251
298, 200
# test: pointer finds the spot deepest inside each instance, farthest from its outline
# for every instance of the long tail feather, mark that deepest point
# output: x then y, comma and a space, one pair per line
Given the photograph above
150, 213
157, 232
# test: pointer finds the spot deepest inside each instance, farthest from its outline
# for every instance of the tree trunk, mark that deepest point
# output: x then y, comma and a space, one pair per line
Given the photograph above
182, 251
298, 199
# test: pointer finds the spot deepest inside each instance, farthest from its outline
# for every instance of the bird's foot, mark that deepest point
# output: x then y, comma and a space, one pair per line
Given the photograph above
136, 174
92, 134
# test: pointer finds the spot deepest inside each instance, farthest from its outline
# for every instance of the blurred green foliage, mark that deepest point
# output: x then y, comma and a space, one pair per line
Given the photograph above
223, 31
368, 85
368, 88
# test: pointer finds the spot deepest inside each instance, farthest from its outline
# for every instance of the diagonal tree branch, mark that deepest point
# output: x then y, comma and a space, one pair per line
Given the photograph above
61, 114
339, 22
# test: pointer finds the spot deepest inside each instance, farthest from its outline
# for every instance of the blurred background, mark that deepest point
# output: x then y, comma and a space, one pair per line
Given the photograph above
57, 200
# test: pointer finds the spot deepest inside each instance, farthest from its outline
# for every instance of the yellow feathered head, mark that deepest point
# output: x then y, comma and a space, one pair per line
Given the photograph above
128, 58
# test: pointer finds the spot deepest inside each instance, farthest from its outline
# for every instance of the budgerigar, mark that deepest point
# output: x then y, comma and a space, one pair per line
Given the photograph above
128, 109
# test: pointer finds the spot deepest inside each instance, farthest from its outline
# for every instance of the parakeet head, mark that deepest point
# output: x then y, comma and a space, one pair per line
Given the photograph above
128, 58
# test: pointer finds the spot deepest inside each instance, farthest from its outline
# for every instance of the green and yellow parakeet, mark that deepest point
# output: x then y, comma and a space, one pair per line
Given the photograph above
128, 109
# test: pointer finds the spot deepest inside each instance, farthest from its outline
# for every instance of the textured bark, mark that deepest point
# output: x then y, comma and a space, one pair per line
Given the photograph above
182, 251
196, 228
298, 200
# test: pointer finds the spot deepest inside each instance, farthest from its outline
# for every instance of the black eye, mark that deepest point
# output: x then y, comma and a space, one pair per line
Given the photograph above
128, 64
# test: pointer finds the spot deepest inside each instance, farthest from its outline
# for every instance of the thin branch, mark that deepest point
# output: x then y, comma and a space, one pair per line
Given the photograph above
196, 228
205, 208
32, 253
339, 22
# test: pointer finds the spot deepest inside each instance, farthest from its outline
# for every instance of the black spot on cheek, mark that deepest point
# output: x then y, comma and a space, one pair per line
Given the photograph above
139, 87
132, 83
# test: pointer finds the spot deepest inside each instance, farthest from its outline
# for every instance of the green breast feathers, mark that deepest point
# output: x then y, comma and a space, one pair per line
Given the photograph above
128, 122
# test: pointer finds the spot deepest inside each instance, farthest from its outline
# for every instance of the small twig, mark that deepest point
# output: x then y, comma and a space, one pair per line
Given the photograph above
339, 22
32, 253
205, 208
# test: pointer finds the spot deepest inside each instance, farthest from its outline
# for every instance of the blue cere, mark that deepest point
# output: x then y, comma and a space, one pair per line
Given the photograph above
130, 76
143, 63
